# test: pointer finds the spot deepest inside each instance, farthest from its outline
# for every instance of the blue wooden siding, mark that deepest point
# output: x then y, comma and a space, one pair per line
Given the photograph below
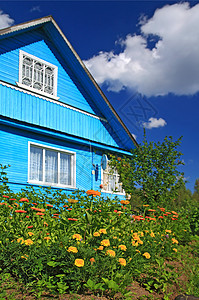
31, 109
14, 151
36, 44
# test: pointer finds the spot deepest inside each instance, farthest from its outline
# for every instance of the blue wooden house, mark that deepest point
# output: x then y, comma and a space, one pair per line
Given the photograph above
55, 122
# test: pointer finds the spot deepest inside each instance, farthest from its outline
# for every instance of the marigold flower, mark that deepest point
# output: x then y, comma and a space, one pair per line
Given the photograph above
77, 236
147, 255
40, 214
124, 202
23, 200
55, 217
173, 212
20, 211
47, 238
110, 253
49, 205
28, 242
145, 205
20, 240
72, 219
93, 193
45, 224
96, 234
5, 196
174, 241
69, 208
24, 257
174, 249
27, 217
72, 249
168, 213
160, 217
122, 261
92, 260
13, 199
122, 247
152, 234
30, 233
100, 248
168, 230
79, 262
105, 243
103, 231
151, 210
65, 205
72, 201
34, 204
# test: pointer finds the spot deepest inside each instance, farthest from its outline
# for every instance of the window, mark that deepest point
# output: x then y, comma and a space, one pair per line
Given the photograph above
37, 75
111, 181
51, 166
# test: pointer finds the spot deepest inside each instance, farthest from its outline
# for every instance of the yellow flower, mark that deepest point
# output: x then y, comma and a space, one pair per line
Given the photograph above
141, 233
114, 237
174, 241
72, 201
138, 251
145, 205
100, 248
23, 257
140, 242
124, 202
130, 259
147, 255
96, 234
79, 262
152, 234
103, 231
77, 236
30, 233
72, 249
168, 231
122, 261
105, 243
28, 242
135, 244
20, 240
174, 249
122, 247
47, 238
110, 253
92, 260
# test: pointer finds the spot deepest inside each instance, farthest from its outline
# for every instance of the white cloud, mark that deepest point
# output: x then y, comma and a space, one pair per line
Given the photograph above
35, 8
170, 66
154, 123
5, 20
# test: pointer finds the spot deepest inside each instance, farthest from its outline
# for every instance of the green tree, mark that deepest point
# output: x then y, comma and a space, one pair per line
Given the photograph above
151, 172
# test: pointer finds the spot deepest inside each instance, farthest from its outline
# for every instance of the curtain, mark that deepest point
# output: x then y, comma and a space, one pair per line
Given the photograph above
65, 169
36, 164
51, 166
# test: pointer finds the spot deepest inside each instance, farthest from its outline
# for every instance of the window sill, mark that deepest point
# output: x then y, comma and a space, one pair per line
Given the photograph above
113, 193
53, 185
30, 89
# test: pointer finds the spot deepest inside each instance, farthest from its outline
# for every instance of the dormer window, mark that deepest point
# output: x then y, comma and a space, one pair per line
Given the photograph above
37, 75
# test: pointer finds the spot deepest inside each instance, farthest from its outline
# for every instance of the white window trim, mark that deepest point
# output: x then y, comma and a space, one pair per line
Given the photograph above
20, 84
109, 192
73, 167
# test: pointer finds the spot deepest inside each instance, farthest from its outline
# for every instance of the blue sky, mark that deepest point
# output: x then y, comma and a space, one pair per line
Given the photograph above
144, 55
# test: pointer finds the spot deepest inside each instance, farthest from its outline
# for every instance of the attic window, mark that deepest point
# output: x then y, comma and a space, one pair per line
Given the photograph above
37, 75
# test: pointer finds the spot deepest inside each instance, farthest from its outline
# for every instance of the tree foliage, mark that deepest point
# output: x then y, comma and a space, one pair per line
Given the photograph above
151, 171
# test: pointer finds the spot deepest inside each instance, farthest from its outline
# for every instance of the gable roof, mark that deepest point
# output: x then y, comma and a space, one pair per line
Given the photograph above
64, 48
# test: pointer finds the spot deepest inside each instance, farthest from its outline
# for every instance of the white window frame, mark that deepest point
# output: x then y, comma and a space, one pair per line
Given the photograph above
102, 182
58, 150
55, 70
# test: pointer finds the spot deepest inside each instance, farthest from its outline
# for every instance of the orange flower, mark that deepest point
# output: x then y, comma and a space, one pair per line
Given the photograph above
174, 249
28, 242
40, 214
105, 243
173, 212
47, 238
31, 226
103, 231
13, 199
160, 217
122, 247
23, 200
122, 261
174, 241
79, 262
147, 255
151, 210
20, 211
49, 205
72, 219
146, 205
100, 248
65, 205
110, 253
5, 196
30, 233
92, 260
72, 201
27, 217
96, 234
72, 249
77, 236
93, 193
124, 202
46, 224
